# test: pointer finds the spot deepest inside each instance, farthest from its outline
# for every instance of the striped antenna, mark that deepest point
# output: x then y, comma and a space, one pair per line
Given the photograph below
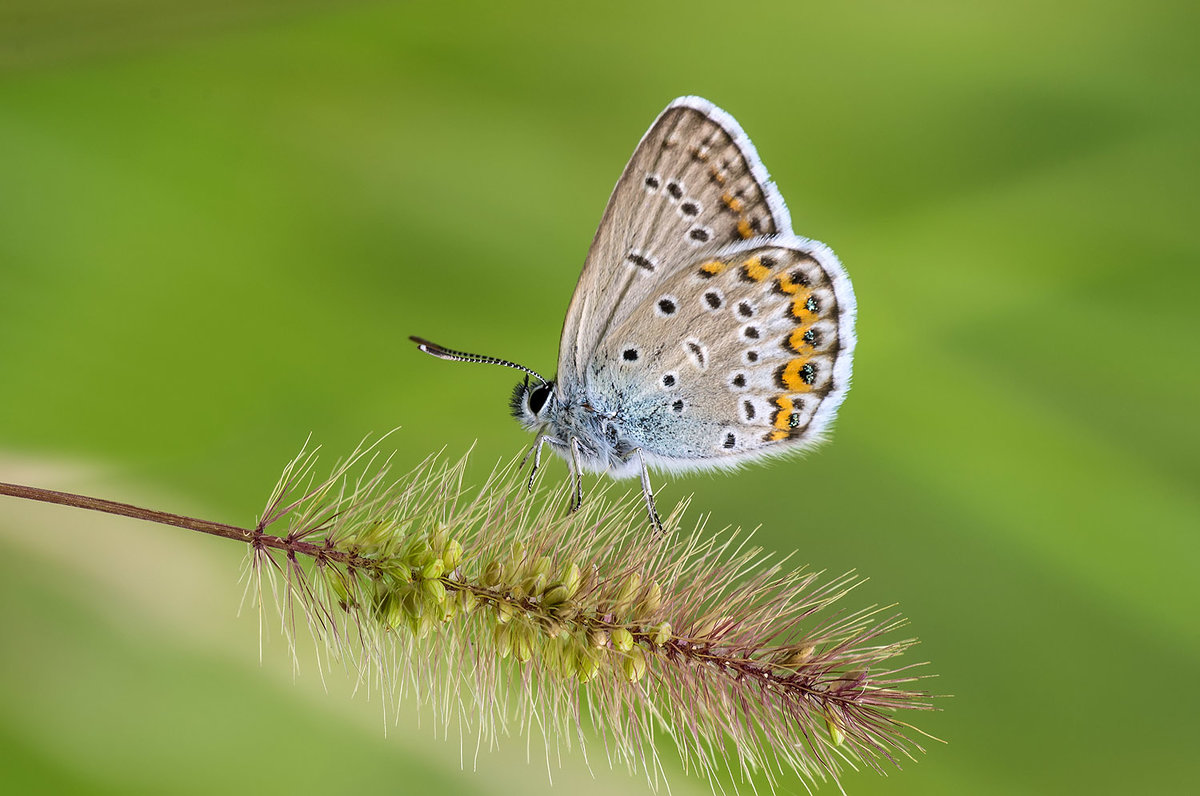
462, 356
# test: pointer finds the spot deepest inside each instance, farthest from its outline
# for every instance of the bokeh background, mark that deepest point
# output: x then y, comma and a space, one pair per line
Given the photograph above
220, 221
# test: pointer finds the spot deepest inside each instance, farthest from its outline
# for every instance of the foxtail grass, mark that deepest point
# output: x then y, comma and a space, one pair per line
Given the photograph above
504, 616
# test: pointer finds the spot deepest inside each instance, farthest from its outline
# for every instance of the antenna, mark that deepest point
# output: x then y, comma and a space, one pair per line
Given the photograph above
462, 356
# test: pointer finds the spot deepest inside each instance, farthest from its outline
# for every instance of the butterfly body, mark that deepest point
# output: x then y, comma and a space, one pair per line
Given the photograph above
703, 333
600, 430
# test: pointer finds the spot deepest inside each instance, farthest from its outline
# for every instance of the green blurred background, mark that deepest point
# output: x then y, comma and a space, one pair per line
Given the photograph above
219, 221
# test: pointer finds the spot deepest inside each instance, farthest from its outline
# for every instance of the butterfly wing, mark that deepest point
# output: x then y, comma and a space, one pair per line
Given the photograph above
743, 354
694, 183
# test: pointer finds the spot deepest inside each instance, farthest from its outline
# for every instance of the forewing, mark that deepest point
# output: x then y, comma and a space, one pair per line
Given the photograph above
743, 354
694, 184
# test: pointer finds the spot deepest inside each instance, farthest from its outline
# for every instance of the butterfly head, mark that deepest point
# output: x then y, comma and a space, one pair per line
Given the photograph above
533, 405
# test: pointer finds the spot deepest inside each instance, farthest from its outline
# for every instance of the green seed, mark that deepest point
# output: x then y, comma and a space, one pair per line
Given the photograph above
434, 590
337, 585
491, 574
651, 601
522, 643
622, 601
434, 569
566, 611
399, 571
587, 665
587, 580
629, 587
536, 585
555, 659
634, 665
794, 659
373, 535
571, 578
437, 539
503, 638
421, 554
709, 626
419, 625
835, 732
452, 555
556, 595
391, 610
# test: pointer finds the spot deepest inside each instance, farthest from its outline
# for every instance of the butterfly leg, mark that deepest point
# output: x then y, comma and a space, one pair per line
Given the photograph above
535, 451
648, 494
576, 477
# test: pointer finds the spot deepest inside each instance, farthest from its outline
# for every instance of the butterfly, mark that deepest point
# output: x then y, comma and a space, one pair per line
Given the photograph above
703, 334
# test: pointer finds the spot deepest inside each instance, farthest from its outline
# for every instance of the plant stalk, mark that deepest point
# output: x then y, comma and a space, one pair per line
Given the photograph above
252, 536
126, 510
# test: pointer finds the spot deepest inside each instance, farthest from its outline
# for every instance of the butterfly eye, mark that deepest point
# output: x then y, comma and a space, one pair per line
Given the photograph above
538, 397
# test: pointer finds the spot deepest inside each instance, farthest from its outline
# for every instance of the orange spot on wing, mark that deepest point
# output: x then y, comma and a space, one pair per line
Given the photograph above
793, 376
783, 415
744, 229
797, 342
755, 270
786, 285
800, 308
777, 435
732, 202
717, 174
713, 267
